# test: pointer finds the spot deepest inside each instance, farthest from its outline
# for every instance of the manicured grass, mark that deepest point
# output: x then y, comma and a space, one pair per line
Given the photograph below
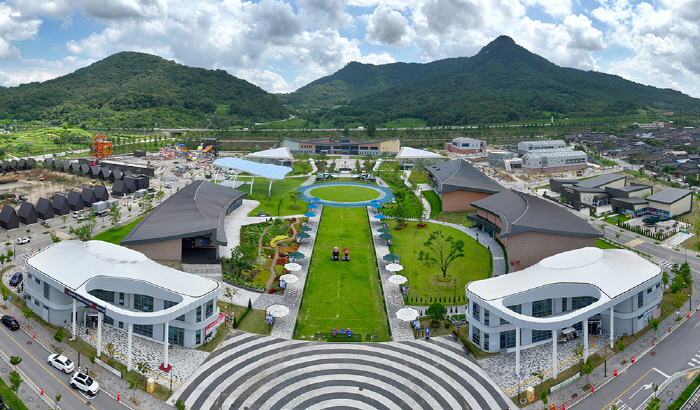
605, 245
455, 217
115, 235
280, 189
343, 294
613, 219
423, 281
10, 397
339, 193
434, 201
254, 322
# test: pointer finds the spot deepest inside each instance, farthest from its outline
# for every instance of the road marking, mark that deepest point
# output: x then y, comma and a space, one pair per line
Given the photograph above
644, 387
691, 374
661, 373
635, 242
616, 398
47, 370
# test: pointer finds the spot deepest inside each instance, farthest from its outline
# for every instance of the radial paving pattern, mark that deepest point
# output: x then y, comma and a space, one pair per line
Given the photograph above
254, 372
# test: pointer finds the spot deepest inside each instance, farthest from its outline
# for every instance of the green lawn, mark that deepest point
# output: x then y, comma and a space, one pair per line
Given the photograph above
605, 245
115, 235
613, 219
279, 190
423, 281
10, 397
339, 193
434, 201
343, 294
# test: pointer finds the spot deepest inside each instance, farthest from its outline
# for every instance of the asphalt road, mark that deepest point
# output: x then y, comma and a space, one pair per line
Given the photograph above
53, 381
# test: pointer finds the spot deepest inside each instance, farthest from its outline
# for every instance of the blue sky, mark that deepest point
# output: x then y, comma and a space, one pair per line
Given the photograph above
283, 45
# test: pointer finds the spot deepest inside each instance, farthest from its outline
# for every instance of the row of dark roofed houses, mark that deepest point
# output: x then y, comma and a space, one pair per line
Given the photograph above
124, 182
45, 209
18, 165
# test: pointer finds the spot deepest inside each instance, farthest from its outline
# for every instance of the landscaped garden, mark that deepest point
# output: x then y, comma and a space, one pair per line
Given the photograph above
115, 235
280, 189
340, 193
426, 284
338, 294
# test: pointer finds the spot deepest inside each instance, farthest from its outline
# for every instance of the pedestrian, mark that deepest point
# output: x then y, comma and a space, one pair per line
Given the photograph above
79, 370
87, 371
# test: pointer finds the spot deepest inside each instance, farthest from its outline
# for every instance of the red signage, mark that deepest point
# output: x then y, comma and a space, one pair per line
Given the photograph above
213, 325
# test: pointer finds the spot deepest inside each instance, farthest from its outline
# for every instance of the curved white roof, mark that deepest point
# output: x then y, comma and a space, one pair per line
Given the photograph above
281, 153
257, 169
408, 152
609, 275
86, 266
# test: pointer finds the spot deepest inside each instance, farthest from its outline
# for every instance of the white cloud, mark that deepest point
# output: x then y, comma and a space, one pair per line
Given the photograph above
29, 70
388, 27
329, 13
265, 79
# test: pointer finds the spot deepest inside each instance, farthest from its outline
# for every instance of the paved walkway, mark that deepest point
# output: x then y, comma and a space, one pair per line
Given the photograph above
233, 223
257, 372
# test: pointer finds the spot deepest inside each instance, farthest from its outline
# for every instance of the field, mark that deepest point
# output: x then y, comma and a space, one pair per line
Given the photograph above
434, 201
344, 193
279, 190
115, 235
423, 281
343, 294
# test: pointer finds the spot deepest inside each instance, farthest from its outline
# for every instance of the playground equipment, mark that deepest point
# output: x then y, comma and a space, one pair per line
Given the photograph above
193, 155
335, 254
346, 254
651, 220
101, 147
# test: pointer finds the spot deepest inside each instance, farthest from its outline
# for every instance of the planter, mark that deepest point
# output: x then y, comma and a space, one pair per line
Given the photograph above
398, 228
421, 225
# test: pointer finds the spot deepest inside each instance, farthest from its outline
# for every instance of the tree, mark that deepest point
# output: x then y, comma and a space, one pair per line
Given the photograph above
15, 381
587, 369
242, 256
159, 195
442, 251
436, 312
296, 194
578, 352
54, 237
543, 397
654, 322
229, 293
143, 369
84, 233
420, 210
63, 218
540, 375
146, 204
678, 300
664, 279
115, 216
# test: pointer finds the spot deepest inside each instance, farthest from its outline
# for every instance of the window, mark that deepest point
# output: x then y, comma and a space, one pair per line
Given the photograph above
508, 339
144, 330
476, 311
121, 325
564, 301
176, 335
105, 295
486, 317
210, 308
46, 291
582, 301
168, 304
486, 342
199, 314
38, 282
108, 320
515, 308
198, 337
30, 276
640, 299
539, 335
542, 308
121, 298
476, 336
36, 302
658, 285
29, 297
143, 303
649, 290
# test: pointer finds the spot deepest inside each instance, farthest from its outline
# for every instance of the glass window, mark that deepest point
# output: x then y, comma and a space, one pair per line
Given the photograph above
143, 303
30, 276
38, 282
564, 302
538, 335
46, 291
476, 336
144, 330
486, 342
210, 308
176, 335
121, 325
199, 314
121, 298
36, 302
658, 285
108, 320
105, 295
508, 339
486, 317
640, 299
476, 311
198, 337
514, 308
542, 308
29, 297
581, 301
649, 290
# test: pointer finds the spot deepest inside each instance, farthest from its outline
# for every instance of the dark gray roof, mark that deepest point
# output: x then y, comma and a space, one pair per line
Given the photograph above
669, 195
520, 212
459, 174
84, 168
117, 174
88, 195
59, 202
632, 200
633, 188
8, 215
596, 182
43, 207
26, 209
119, 188
199, 208
101, 193
75, 200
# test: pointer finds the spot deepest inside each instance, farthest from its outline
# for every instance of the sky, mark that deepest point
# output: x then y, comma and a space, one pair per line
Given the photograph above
281, 45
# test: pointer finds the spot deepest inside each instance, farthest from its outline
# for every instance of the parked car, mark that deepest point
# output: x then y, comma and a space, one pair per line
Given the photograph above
168, 186
61, 362
46, 224
16, 279
10, 322
80, 217
84, 383
22, 240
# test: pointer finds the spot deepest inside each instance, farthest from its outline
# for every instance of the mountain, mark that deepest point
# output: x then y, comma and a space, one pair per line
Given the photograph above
503, 82
146, 87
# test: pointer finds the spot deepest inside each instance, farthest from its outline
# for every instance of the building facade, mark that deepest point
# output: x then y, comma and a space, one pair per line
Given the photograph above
543, 161
463, 145
343, 146
458, 184
542, 145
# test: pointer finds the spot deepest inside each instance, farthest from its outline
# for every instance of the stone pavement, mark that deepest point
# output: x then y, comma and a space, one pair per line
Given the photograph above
29, 397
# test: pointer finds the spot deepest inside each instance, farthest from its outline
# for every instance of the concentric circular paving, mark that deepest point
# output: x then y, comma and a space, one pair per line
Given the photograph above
263, 373
385, 194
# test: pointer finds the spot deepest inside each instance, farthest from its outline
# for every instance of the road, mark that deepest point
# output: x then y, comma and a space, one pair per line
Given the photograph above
53, 381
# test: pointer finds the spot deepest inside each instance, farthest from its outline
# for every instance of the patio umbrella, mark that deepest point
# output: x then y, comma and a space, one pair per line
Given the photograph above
297, 255
289, 278
278, 310
386, 236
292, 267
312, 206
383, 230
376, 201
309, 214
398, 279
393, 267
407, 314
303, 235
314, 199
390, 257
379, 217
305, 229
375, 205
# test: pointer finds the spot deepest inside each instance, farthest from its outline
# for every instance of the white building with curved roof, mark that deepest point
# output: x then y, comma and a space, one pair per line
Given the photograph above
97, 282
570, 289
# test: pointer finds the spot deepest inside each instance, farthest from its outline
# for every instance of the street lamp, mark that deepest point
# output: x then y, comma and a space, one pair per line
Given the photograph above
455, 299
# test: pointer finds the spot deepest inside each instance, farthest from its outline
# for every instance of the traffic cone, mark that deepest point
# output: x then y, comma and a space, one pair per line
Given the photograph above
653, 342
42, 392
687, 315
632, 359
118, 396
615, 373
592, 389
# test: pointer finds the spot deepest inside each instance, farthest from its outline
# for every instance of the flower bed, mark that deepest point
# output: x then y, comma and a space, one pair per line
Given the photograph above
241, 283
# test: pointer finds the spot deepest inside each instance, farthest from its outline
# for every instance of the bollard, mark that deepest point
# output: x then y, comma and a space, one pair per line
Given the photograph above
632, 359
118, 396
669, 329
42, 392
592, 389
687, 315
615, 373
653, 342
34, 335
563, 406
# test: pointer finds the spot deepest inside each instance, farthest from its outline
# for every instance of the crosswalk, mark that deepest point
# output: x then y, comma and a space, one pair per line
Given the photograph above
695, 360
634, 243
666, 265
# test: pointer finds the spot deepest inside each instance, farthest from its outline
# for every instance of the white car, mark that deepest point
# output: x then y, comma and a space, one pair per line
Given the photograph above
61, 362
84, 383
22, 240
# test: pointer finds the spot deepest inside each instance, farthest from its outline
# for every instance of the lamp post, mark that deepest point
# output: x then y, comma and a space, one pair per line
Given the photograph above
455, 299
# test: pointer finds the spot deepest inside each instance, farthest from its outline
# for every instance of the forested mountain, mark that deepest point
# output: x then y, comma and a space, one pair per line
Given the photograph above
134, 83
503, 82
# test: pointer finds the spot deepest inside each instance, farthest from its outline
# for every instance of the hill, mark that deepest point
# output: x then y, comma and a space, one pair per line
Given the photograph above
138, 89
503, 82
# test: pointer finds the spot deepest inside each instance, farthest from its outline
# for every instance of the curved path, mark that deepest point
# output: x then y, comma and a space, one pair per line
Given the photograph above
385, 194
251, 371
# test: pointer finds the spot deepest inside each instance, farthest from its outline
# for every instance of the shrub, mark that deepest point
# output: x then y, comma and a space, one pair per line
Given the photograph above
58, 336
180, 405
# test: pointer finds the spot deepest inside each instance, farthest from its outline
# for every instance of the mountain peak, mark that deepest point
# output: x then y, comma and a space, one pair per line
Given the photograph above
500, 43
